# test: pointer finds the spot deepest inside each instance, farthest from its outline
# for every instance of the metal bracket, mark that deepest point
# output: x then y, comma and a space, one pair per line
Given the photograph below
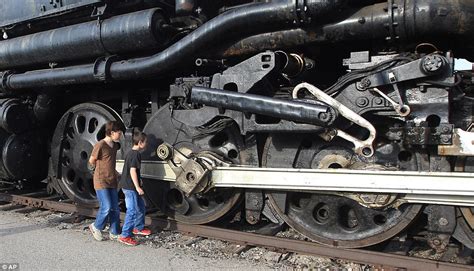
463, 144
441, 225
427, 66
362, 147
191, 173
253, 205
99, 10
246, 74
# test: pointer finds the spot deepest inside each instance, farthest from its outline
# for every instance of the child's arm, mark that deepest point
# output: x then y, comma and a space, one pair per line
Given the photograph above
92, 160
134, 175
94, 155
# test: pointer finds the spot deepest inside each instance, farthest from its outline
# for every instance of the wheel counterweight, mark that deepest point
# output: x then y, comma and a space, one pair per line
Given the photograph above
224, 140
331, 219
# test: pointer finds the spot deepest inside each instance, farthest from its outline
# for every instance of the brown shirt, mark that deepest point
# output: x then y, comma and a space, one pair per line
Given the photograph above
104, 174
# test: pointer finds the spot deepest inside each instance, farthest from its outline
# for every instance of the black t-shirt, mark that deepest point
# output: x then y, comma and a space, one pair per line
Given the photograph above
133, 159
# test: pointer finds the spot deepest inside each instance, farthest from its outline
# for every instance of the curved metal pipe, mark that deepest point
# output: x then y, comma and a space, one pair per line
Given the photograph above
246, 21
443, 21
448, 23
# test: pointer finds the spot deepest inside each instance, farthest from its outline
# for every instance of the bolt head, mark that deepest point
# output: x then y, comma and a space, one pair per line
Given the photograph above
362, 101
445, 138
364, 83
436, 242
443, 221
432, 63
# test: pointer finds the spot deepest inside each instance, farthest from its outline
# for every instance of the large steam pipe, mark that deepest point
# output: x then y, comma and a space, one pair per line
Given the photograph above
317, 114
404, 21
236, 23
442, 22
123, 33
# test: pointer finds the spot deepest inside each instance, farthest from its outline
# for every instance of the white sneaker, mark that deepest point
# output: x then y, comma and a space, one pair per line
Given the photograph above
96, 233
114, 237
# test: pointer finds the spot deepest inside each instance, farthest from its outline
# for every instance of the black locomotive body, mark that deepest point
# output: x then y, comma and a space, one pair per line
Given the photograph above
331, 86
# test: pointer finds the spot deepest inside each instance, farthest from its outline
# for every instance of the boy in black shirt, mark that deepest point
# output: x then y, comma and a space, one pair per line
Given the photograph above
131, 187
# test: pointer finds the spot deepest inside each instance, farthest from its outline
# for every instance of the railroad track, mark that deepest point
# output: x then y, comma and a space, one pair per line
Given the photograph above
380, 260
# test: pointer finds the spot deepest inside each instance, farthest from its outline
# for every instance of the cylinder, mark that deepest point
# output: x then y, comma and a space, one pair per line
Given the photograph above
23, 156
317, 114
15, 117
124, 33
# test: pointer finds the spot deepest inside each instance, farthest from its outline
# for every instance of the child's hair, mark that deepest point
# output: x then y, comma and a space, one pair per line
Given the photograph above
138, 137
113, 126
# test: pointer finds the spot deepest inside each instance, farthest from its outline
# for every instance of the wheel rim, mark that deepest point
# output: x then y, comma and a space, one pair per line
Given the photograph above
465, 223
76, 134
201, 208
342, 222
335, 220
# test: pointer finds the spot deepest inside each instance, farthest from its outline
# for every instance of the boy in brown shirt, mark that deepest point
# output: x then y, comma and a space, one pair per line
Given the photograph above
103, 158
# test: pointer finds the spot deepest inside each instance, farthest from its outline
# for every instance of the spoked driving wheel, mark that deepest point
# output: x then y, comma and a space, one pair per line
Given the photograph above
74, 138
464, 231
331, 219
220, 137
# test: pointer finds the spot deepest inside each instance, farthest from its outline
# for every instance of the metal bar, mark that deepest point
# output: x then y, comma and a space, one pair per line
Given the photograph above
303, 247
440, 199
317, 114
397, 182
405, 182
450, 188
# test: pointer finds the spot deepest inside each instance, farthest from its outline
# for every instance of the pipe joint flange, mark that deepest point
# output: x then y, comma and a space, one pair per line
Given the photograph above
102, 68
302, 12
4, 80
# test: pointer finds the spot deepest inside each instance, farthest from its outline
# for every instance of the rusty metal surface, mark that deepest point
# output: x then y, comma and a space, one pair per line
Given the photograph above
382, 260
469, 216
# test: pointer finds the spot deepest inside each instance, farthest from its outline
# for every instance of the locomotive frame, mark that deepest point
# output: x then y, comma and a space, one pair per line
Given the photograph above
344, 119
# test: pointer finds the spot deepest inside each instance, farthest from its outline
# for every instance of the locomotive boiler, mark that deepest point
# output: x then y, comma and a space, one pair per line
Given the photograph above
348, 120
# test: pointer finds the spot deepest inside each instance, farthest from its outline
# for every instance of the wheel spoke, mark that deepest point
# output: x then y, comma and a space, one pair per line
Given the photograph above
89, 187
348, 220
193, 204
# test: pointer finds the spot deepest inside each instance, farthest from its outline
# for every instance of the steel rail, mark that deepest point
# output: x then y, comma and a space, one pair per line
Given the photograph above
382, 260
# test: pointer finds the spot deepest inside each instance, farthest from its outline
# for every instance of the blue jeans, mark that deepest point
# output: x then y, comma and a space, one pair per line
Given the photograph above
135, 215
108, 210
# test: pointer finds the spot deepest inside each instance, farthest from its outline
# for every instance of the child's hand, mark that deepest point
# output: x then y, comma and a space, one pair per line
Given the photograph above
91, 168
140, 191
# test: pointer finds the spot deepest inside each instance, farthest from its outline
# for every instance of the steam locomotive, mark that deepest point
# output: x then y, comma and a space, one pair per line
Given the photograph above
345, 119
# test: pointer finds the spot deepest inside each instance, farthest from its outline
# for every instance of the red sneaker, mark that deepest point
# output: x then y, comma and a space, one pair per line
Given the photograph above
144, 232
128, 241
